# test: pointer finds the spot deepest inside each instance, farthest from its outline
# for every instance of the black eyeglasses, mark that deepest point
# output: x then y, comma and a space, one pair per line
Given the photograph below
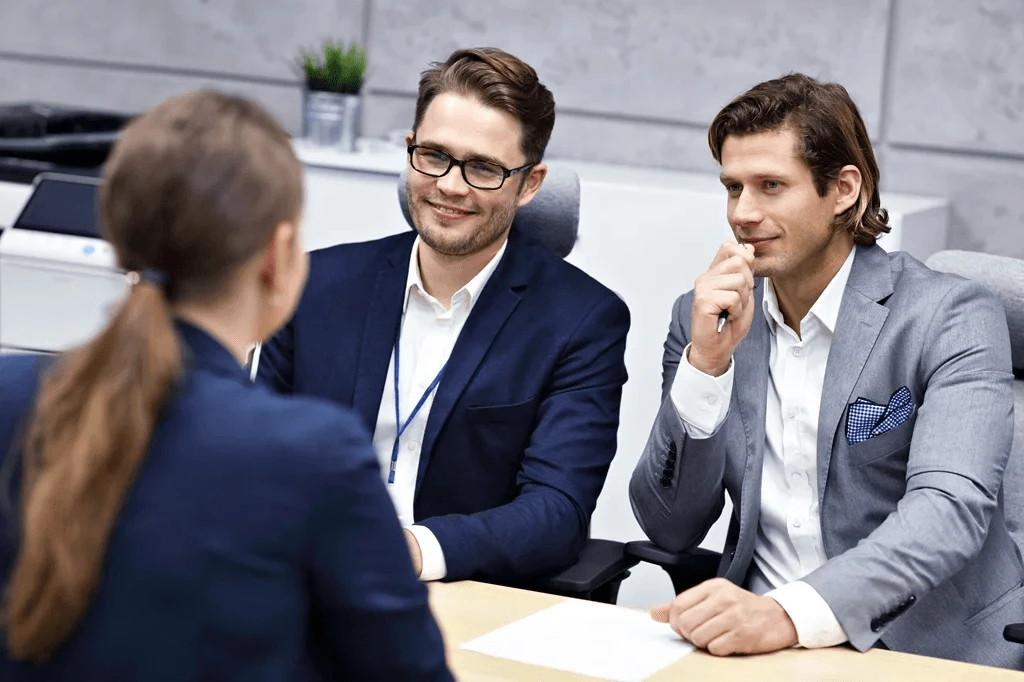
476, 173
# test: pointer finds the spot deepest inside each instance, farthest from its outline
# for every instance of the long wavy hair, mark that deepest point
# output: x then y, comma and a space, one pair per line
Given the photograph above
193, 188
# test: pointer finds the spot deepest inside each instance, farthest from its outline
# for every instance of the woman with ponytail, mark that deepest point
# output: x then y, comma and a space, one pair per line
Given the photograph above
162, 518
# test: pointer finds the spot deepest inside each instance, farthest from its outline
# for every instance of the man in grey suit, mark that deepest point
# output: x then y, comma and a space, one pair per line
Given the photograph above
856, 406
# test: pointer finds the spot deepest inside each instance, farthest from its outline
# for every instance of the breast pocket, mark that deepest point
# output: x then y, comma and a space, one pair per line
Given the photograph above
502, 431
884, 446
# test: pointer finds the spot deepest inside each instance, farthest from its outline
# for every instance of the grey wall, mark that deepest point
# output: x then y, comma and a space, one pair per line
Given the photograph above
940, 82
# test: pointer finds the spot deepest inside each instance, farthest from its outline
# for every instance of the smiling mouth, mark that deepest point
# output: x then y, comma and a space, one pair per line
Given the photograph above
449, 210
757, 242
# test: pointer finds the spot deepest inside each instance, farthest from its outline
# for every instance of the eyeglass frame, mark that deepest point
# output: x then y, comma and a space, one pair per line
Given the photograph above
452, 162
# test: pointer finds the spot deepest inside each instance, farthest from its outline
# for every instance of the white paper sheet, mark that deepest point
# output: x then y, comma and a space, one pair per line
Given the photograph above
590, 639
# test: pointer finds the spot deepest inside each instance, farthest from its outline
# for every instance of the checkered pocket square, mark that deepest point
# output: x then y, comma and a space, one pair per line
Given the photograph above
865, 419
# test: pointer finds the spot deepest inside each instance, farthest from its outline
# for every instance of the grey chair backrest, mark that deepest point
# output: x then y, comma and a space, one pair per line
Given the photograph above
1004, 276
552, 218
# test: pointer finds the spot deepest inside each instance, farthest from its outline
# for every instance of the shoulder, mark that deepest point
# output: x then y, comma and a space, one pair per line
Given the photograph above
16, 371
563, 286
354, 261
283, 435
361, 252
931, 292
19, 379
957, 321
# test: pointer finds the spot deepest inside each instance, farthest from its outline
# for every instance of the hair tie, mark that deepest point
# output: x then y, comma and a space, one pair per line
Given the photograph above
154, 276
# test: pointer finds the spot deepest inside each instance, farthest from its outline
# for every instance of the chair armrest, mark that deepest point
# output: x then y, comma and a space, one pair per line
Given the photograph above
601, 563
1014, 633
686, 569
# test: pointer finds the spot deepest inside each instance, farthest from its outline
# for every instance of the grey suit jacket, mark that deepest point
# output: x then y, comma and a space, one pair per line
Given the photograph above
919, 554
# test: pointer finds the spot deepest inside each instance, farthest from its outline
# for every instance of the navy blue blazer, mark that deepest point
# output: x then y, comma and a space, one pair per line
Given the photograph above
523, 426
258, 543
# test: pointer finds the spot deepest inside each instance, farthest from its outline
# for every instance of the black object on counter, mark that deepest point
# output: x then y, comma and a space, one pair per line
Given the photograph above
36, 138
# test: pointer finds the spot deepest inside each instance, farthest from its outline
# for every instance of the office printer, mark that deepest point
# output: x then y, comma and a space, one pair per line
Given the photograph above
59, 279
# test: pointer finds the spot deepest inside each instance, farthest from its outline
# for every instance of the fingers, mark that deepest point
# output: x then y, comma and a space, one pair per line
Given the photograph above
724, 619
724, 644
732, 274
705, 613
689, 598
741, 282
714, 302
718, 627
744, 252
695, 618
732, 265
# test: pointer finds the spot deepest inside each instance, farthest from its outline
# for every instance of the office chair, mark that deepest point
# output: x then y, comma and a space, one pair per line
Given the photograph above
1005, 277
552, 218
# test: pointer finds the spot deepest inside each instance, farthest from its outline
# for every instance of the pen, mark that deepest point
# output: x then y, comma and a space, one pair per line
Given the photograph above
722, 317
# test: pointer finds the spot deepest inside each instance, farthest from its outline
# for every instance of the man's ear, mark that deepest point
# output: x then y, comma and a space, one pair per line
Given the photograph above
410, 137
531, 185
848, 186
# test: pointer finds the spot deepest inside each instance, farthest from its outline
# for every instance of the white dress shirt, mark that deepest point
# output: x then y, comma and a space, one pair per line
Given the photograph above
428, 334
788, 544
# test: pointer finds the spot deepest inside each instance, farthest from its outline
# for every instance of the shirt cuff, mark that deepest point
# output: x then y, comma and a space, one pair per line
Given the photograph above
816, 625
701, 400
431, 554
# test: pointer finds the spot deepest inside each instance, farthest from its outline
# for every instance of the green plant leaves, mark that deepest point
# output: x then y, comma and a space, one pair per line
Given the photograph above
336, 68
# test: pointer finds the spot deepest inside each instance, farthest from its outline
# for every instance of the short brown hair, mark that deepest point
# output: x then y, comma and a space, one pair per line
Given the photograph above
500, 80
193, 189
832, 134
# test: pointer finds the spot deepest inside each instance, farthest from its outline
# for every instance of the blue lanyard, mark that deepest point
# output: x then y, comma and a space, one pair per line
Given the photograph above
400, 427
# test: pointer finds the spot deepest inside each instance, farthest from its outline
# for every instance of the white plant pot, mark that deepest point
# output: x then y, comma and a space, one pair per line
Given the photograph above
332, 119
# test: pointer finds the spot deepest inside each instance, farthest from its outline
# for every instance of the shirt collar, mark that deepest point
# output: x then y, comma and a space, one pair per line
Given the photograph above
471, 291
825, 309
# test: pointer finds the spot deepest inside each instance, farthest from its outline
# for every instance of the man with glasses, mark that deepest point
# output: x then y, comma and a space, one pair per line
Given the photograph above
489, 370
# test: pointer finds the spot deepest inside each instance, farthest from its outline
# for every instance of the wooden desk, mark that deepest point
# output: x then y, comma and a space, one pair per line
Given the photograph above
468, 610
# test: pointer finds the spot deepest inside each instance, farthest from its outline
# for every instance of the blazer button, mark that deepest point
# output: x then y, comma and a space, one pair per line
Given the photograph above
671, 456
665, 481
876, 625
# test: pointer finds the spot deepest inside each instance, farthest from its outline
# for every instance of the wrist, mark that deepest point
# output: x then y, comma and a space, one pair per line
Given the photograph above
414, 552
714, 367
784, 627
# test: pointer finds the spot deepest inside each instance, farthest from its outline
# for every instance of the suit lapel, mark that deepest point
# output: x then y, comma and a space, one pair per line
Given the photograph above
385, 314
499, 298
752, 358
857, 327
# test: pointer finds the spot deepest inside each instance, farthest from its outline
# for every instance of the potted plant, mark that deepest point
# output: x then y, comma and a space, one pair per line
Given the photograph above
333, 82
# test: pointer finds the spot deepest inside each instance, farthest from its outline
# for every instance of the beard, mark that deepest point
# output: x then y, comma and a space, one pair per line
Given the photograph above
492, 224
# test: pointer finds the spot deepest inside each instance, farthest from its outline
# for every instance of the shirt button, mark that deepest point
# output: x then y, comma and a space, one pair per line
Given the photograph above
797, 523
411, 447
796, 478
797, 351
712, 399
